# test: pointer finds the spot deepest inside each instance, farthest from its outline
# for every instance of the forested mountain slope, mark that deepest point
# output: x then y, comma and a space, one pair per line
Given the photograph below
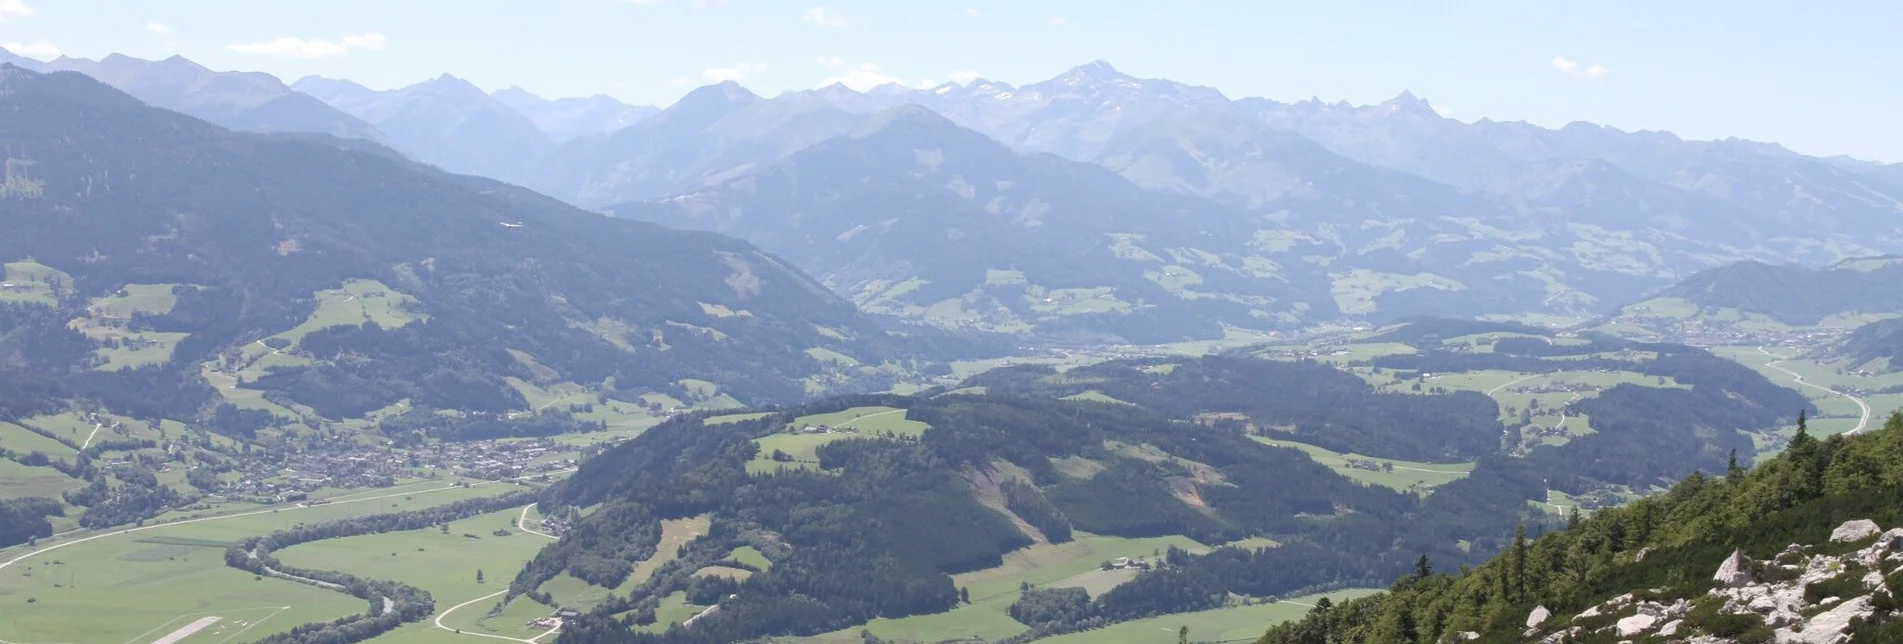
1794, 550
1778, 294
1194, 447
150, 254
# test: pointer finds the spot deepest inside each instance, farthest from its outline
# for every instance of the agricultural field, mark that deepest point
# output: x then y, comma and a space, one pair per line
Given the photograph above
1835, 387
870, 421
443, 563
570, 591
993, 590
1406, 476
128, 584
31, 282
1236, 623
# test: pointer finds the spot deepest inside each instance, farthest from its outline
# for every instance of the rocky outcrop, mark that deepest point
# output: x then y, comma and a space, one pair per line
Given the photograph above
1773, 591
1853, 531
1538, 616
1733, 572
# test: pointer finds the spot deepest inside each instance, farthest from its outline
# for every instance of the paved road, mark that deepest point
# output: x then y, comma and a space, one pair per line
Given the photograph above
522, 523
439, 619
1799, 379
1496, 390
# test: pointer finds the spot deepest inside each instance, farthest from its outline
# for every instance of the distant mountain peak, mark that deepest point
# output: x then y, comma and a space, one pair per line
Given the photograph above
906, 118
1408, 103
1095, 71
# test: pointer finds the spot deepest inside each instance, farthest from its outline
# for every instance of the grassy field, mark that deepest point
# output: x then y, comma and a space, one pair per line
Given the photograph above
1839, 414
19, 481
570, 591
1355, 291
751, 556
142, 584
993, 590
1406, 476
1219, 625
353, 304
22, 440
443, 564
674, 609
31, 283
872, 419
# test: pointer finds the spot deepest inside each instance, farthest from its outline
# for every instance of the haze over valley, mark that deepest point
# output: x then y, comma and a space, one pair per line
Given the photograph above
292, 358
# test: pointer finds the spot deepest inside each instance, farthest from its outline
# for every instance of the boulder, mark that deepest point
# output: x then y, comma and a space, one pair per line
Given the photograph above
1466, 635
1636, 624
1733, 572
1855, 531
1828, 627
1670, 628
1538, 616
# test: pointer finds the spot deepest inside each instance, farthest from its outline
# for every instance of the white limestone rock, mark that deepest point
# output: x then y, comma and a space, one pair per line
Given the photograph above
1854, 531
1733, 573
1828, 627
1671, 628
1561, 636
1539, 616
1636, 624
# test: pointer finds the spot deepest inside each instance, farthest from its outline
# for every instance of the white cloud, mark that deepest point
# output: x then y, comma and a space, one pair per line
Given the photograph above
710, 3
1571, 67
1443, 111
927, 83
971, 11
293, 47
824, 17
40, 49
678, 81
737, 72
861, 78
646, 2
157, 28
831, 61
1059, 21
964, 76
14, 10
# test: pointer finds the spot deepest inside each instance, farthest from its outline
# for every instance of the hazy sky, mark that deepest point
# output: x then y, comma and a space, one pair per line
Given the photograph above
1822, 79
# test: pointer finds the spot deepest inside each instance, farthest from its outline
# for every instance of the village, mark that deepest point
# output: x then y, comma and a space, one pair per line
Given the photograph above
286, 474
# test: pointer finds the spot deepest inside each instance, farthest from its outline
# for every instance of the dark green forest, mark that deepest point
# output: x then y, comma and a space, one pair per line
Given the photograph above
1663, 548
1335, 533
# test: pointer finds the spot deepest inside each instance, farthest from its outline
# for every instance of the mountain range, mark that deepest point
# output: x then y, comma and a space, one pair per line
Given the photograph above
1313, 211
165, 267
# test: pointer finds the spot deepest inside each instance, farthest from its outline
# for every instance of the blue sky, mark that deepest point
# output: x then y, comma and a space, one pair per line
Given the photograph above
1820, 79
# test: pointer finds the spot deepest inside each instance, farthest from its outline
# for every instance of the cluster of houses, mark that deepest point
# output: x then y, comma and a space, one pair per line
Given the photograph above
552, 621
825, 429
1127, 563
303, 472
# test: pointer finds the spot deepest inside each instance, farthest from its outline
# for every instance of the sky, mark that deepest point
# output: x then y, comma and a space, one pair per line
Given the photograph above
1820, 79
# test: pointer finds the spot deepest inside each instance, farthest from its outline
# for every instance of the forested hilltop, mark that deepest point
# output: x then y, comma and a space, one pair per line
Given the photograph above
1791, 550
857, 524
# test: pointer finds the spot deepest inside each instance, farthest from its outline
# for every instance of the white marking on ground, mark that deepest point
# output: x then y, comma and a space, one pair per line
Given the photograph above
187, 630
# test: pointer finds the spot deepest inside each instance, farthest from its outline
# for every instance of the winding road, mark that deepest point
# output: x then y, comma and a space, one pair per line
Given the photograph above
1862, 423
